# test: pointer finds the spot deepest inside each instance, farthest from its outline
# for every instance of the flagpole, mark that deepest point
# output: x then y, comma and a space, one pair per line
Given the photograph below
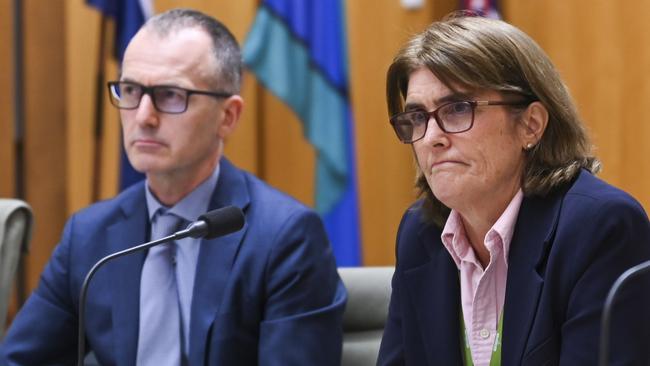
99, 110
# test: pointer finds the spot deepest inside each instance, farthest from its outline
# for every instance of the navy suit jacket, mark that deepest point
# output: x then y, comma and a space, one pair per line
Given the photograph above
566, 252
268, 294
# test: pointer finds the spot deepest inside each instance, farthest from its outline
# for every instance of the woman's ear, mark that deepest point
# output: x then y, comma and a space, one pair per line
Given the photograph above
534, 122
232, 108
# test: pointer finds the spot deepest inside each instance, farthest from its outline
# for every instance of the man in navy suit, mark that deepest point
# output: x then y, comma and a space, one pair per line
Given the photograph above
509, 254
267, 294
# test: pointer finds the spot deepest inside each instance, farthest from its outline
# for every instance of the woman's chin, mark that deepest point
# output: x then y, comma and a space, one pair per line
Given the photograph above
449, 192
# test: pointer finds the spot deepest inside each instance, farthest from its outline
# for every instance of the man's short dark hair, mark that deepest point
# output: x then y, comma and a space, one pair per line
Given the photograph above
225, 47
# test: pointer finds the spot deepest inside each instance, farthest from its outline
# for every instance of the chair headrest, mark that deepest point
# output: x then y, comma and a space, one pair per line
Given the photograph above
369, 290
9, 209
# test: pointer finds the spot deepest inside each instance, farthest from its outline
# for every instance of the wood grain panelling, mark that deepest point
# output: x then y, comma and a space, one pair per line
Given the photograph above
88, 180
45, 128
604, 59
81, 30
6, 100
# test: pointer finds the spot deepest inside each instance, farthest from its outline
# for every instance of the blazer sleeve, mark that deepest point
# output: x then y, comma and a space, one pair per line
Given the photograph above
609, 239
305, 298
45, 329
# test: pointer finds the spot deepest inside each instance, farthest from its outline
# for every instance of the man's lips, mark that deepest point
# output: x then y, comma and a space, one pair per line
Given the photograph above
147, 143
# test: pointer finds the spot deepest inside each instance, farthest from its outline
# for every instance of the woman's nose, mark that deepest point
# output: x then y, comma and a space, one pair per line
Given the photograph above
434, 135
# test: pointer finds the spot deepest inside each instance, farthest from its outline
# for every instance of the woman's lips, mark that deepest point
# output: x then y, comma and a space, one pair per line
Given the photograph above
445, 163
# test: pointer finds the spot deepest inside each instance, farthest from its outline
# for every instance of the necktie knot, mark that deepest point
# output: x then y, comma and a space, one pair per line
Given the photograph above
165, 223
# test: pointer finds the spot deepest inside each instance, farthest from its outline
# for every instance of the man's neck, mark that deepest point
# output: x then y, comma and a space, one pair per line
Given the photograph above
170, 188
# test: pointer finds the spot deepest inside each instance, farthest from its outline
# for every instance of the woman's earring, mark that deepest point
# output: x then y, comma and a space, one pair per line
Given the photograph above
529, 146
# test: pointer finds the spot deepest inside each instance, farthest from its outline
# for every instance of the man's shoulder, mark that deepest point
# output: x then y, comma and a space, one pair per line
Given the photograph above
101, 210
266, 198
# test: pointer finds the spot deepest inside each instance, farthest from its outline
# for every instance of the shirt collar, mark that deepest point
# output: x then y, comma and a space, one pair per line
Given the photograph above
455, 240
193, 205
505, 225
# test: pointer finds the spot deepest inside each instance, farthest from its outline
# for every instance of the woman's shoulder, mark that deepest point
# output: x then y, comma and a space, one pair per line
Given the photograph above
417, 236
414, 220
591, 195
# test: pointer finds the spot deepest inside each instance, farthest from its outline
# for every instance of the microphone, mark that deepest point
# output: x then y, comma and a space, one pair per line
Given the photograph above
210, 225
639, 269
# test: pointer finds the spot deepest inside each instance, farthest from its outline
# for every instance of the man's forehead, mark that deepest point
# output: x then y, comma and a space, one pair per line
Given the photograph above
185, 44
183, 58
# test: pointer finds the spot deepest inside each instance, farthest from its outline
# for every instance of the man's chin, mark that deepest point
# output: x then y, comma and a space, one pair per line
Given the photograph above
146, 167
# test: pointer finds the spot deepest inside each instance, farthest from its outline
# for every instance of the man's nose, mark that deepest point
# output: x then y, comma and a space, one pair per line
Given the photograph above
146, 112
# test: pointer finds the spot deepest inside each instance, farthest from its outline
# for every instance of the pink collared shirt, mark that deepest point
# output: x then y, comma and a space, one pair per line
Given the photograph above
482, 291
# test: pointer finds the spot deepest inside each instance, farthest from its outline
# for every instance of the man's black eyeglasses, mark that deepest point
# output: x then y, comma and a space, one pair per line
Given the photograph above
166, 99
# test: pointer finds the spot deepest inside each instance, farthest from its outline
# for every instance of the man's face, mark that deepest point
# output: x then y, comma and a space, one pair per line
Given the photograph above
162, 144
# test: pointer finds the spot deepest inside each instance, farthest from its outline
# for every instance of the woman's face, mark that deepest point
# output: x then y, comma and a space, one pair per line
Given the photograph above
473, 170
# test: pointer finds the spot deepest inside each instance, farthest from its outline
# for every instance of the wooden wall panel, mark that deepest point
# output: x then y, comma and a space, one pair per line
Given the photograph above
6, 100
45, 129
81, 31
603, 58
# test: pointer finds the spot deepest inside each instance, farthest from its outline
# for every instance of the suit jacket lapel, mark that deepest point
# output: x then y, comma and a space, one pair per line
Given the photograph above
216, 258
528, 253
434, 290
127, 231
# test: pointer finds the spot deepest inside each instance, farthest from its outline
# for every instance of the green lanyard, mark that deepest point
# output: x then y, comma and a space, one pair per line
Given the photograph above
495, 360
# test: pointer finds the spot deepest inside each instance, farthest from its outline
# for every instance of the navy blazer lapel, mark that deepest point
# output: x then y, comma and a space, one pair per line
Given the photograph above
527, 256
126, 232
216, 257
434, 289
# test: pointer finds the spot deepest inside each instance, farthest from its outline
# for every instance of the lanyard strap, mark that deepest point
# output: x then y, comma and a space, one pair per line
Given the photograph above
495, 359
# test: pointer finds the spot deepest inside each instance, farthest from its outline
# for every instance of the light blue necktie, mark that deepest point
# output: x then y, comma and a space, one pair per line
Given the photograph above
159, 339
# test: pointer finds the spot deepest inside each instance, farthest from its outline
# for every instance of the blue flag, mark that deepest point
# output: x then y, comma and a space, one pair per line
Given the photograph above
129, 15
297, 49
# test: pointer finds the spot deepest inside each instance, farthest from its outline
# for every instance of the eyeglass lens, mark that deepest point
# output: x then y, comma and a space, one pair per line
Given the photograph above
451, 118
168, 99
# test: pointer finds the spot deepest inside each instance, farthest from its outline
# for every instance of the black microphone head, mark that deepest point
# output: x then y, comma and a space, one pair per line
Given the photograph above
223, 221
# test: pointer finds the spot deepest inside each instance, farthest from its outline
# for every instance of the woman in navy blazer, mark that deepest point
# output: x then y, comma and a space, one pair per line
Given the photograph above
509, 253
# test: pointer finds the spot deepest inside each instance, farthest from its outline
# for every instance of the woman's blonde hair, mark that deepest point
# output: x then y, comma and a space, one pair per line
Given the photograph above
485, 54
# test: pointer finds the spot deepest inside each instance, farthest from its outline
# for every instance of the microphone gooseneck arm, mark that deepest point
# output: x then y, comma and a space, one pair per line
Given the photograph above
210, 225
84, 287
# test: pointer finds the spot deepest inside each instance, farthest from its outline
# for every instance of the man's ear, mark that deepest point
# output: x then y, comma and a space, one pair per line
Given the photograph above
232, 108
534, 122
